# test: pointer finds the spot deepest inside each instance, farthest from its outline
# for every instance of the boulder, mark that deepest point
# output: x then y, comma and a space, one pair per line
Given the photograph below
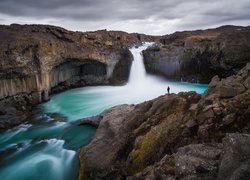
228, 119
235, 160
231, 90
247, 82
10, 116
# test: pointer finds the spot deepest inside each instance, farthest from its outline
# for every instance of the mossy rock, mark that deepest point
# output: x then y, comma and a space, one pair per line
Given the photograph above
169, 166
144, 147
247, 92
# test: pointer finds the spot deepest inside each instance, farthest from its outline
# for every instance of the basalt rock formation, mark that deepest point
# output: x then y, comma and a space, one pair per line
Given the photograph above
37, 60
199, 55
176, 136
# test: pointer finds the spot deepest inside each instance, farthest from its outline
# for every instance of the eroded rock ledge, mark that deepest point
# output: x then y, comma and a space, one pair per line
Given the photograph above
176, 136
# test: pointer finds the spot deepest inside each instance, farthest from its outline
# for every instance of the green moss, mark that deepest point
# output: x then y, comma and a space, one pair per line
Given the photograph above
170, 165
248, 92
172, 162
144, 148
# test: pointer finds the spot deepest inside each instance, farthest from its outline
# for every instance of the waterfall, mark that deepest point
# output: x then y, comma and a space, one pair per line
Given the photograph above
138, 72
50, 158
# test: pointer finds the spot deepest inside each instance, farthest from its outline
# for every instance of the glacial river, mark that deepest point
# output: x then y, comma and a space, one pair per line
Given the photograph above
45, 148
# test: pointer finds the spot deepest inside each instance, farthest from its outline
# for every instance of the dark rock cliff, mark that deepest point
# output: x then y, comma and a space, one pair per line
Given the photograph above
199, 55
176, 136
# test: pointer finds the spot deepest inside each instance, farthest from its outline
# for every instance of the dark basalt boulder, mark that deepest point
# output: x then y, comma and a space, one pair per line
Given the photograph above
10, 116
235, 160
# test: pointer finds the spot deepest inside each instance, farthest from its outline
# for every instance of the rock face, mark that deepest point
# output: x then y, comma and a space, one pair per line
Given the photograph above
199, 55
176, 136
37, 60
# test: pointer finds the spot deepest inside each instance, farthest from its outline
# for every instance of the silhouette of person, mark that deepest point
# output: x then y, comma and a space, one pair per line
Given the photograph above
168, 89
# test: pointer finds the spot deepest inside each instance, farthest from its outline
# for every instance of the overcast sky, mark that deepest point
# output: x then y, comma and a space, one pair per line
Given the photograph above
144, 16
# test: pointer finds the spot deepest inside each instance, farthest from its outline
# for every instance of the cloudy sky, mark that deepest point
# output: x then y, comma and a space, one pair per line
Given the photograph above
144, 16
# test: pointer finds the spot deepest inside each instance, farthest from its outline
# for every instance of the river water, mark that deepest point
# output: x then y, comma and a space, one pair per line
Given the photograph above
45, 147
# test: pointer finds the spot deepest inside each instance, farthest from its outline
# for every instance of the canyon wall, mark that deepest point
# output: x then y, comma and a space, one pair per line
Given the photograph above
36, 59
199, 55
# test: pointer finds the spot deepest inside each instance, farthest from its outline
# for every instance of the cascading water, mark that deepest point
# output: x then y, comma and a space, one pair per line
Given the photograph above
43, 148
138, 72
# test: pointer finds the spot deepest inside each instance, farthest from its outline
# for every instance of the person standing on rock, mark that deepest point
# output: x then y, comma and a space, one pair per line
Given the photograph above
168, 89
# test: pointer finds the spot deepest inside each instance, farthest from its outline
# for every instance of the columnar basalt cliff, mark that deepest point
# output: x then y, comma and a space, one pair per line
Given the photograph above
37, 60
199, 55
176, 136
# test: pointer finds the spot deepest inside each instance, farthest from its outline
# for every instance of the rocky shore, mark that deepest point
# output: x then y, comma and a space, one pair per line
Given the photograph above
176, 136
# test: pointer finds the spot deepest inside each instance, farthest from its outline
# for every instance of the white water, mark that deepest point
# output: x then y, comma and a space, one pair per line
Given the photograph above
138, 72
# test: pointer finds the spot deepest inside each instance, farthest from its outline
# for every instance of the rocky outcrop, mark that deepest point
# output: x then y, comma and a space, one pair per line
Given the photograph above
10, 116
227, 160
199, 55
176, 136
235, 160
37, 60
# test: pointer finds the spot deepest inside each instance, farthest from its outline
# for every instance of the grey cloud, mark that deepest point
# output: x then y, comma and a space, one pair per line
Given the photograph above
87, 9
179, 14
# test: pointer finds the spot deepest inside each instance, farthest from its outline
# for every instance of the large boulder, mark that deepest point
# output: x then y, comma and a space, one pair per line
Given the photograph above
235, 160
10, 116
231, 87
